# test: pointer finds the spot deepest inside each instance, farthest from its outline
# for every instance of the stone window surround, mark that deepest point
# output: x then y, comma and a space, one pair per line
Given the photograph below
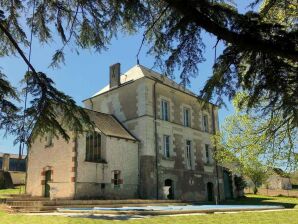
49, 140
118, 182
189, 154
161, 135
43, 174
187, 122
191, 116
166, 146
211, 160
170, 109
165, 107
204, 114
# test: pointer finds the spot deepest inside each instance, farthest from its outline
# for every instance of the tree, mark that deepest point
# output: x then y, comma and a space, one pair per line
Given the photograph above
245, 147
260, 55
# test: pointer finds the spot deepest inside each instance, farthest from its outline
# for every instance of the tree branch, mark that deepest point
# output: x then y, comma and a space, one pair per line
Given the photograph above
15, 44
242, 40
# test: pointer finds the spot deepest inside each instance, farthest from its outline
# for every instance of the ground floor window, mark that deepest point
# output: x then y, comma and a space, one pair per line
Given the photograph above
188, 154
166, 146
93, 147
117, 181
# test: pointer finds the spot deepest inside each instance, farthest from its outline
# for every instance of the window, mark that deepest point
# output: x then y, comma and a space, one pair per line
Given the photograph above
186, 117
207, 154
205, 123
49, 139
93, 147
17, 164
116, 180
1, 163
164, 110
188, 154
166, 146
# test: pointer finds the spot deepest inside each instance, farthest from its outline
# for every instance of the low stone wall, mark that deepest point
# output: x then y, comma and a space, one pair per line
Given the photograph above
275, 192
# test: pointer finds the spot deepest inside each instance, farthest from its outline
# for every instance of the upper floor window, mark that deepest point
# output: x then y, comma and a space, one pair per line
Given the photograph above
166, 146
1, 163
188, 154
205, 123
17, 164
186, 117
207, 154
165, 110
49, 139
93, 147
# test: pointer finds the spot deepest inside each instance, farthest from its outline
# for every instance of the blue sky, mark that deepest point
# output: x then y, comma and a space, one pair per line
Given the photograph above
86, 73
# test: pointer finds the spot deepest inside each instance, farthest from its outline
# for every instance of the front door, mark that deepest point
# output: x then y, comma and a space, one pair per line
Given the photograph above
168, 189
228, 188
210, 191
48, 177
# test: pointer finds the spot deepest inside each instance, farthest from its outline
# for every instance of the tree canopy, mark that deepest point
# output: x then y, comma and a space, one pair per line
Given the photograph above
260, 54
244, 145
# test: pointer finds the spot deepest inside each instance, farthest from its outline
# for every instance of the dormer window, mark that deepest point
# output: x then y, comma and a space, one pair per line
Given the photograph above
93, 147
165, 110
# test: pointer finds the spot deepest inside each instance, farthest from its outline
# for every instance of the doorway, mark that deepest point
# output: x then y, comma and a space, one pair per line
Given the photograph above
48, 177
210, 194
169, 189
228, 185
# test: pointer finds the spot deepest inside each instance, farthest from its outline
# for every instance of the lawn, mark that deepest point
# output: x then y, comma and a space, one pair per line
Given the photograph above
278, 217
16, 190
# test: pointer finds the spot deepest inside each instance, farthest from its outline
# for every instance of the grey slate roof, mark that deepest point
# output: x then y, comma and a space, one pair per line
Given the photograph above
109, 125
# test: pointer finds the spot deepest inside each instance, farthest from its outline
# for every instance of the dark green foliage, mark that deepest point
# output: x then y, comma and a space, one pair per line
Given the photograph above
260, 53
240, 183
51, 111
8, 110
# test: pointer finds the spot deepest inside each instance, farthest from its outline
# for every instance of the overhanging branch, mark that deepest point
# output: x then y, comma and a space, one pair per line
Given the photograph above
243, 41
17, 47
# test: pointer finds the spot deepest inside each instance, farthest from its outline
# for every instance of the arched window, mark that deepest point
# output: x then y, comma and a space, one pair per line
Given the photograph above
93, 147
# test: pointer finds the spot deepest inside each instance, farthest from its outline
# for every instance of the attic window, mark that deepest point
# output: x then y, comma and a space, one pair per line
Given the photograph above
93, 147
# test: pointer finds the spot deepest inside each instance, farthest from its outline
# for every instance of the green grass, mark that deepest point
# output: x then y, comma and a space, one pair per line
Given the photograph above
250, 199
286, 217
17, 190
277, 217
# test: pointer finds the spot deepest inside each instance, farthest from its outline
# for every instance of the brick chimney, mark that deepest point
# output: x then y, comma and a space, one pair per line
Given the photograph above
114, 75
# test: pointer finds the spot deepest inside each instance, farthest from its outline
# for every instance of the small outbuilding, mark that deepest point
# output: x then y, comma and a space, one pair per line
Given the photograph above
100, 164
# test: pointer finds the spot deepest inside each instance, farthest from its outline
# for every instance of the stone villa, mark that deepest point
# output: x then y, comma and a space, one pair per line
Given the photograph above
152, 140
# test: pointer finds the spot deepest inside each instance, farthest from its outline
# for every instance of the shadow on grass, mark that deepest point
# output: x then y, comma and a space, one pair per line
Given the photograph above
259, 201
110, 217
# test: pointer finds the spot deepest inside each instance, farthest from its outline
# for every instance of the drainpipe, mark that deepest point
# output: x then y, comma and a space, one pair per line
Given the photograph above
76, 164
216, 165
139, 170
155, 135
27, 162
